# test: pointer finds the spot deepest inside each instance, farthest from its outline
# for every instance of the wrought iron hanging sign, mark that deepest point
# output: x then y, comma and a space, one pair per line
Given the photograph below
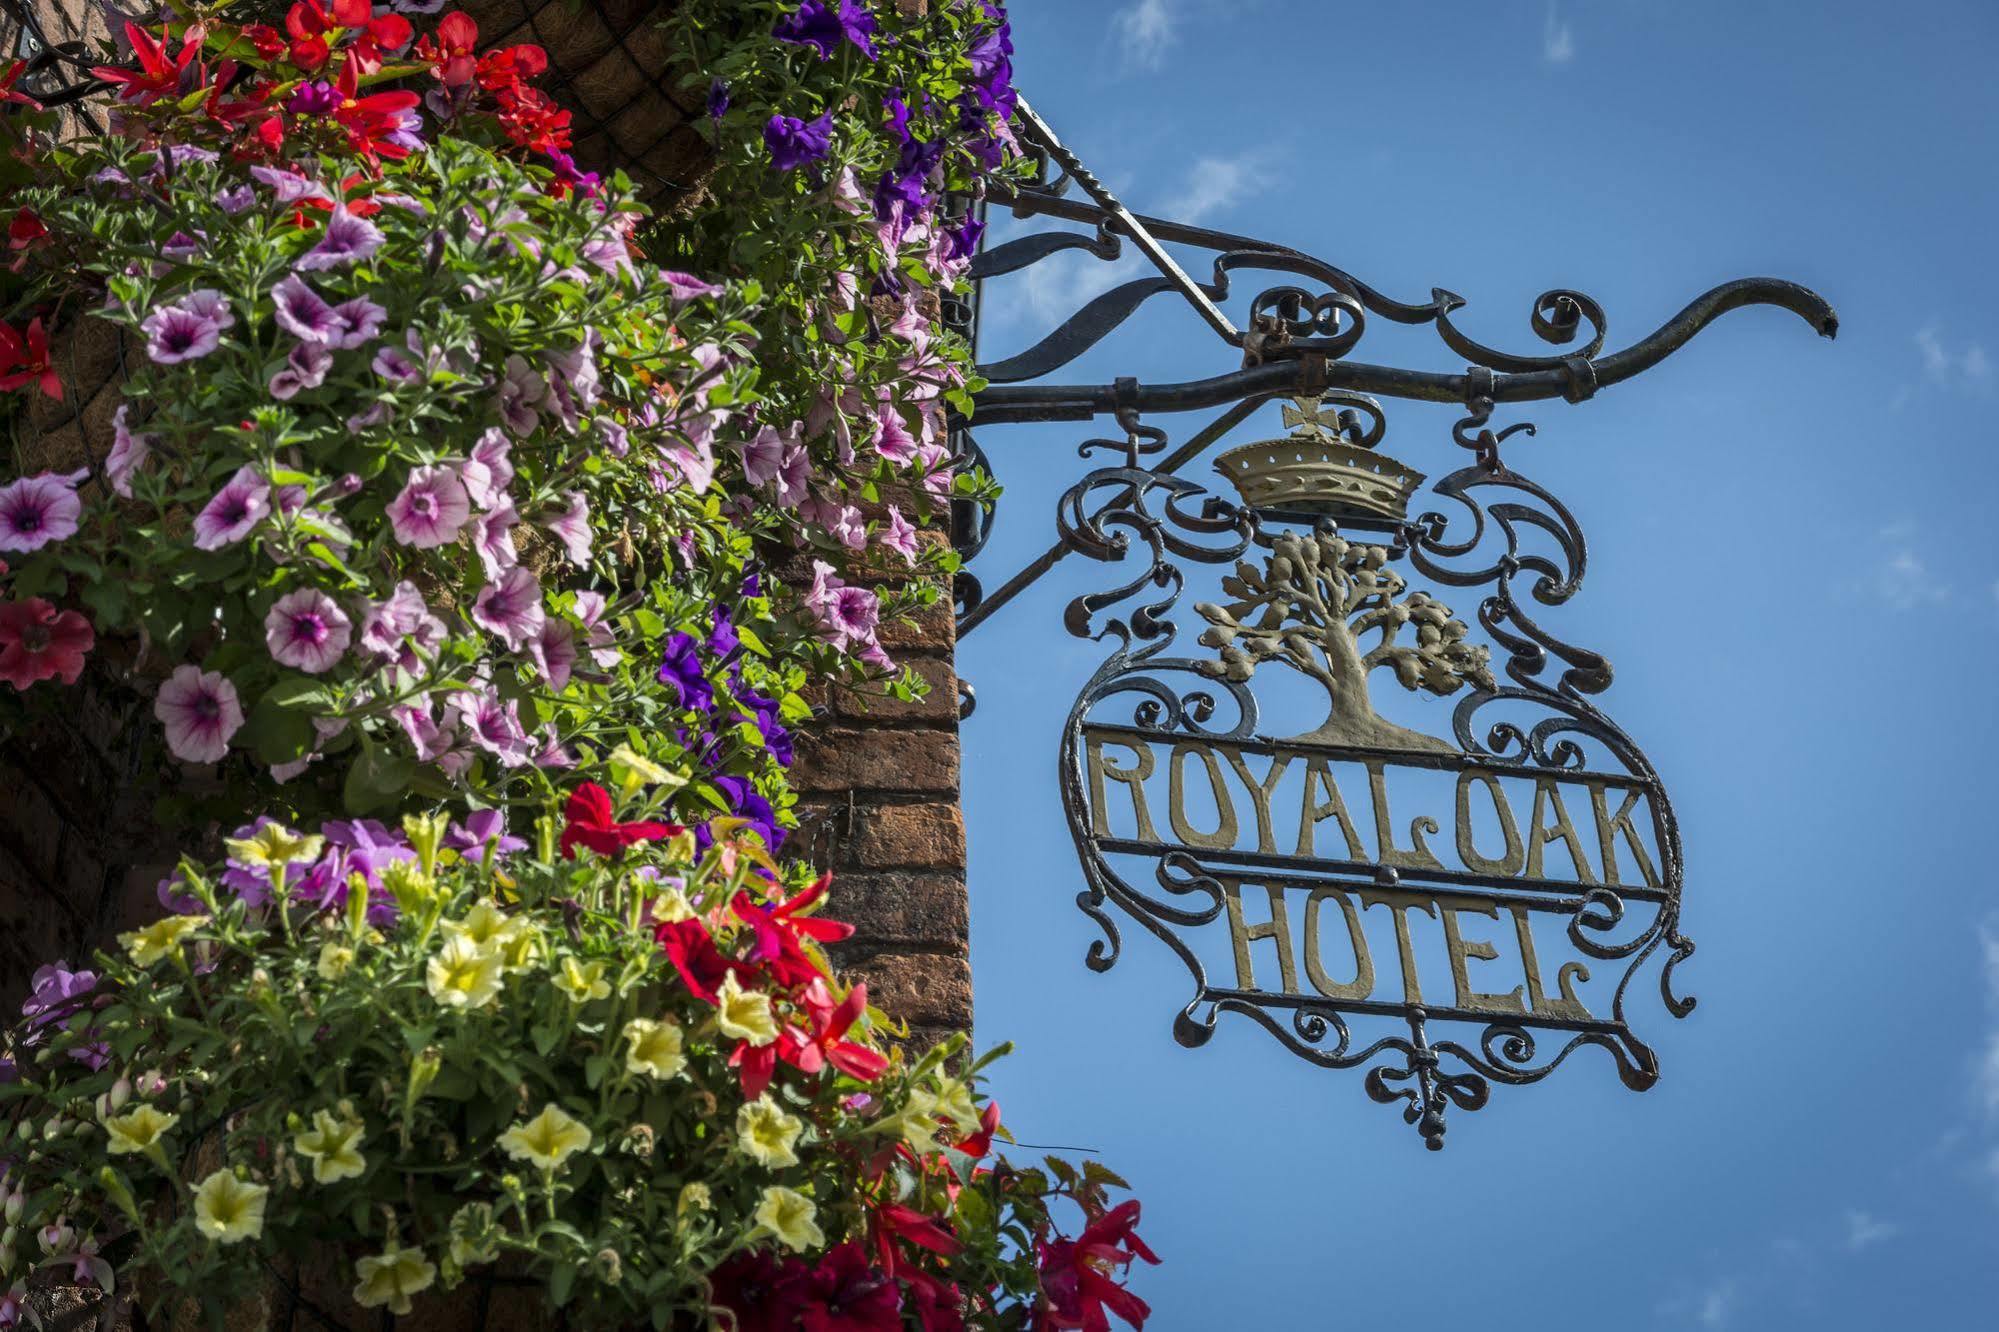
1484, 901
1445, 898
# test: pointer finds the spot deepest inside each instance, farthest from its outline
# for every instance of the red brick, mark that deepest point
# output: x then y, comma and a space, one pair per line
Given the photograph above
909, 837
922, 989
917, 762
903, 909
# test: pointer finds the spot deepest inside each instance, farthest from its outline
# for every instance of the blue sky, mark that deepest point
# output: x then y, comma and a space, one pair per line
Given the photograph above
1794, 569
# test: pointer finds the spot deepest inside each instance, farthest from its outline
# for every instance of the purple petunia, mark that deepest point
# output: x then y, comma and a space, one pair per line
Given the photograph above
307, 630
236, 509
401, 628
189, 329
824, 26
347, 239
794, 143
200, 712
307, 316
36, 510
718, 100
680, 669
510, 608
847, 615
305, 368
431, 508
483, 829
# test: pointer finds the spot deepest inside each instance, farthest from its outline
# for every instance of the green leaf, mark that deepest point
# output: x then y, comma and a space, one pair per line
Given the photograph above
376, 778
752, 642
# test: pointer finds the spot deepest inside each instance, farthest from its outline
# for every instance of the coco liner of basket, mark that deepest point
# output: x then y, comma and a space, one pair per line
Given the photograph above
612, 66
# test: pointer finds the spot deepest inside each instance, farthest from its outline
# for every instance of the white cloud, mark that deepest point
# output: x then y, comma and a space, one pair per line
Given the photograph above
1863, 1229
1968, 366
1988, 1066
1558, 38
1212, 184
1146, 30
1717, 1305
1901, 579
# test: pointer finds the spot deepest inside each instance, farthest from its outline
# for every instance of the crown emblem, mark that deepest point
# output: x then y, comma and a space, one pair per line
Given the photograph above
1320, 467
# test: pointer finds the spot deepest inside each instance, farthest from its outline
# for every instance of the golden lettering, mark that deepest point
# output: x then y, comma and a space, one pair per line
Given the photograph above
1608, 825
1547, 795
1460, 949
1399, 905
1507, 865
1418, 857
1335, 807
1243, 934
1568, 1006
1224, 835
1133, 779
1260, 792
1362, 985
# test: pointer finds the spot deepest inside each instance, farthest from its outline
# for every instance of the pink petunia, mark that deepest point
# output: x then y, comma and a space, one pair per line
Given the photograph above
188, 330
236, 509
346, 239
847, 615
307, 630
431, 509
571, 527
36, 510
763, 455
554, 653
492, 537
590, 608
401, 631
128, 453
511, 607
201, 712
892, 438
899, 536
305, 368
794, 470
494, 725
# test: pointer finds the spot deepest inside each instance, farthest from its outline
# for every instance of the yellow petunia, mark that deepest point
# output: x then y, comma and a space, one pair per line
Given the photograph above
766, 1134
510, 937
744, 1014
464, 974
654, 1048
918, 1122
274, 844
693, 1198
954, 1102
228, 1209
670, 906
632, 770
387, 1280
137, 1129
159, 939
335, 957
547, 1140
788, 1215
334, 1148
581, 981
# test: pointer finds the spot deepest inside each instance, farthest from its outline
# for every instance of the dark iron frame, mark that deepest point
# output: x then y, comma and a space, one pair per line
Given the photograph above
1296, 342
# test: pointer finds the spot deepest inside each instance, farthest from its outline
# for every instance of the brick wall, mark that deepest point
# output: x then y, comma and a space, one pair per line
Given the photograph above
878, 796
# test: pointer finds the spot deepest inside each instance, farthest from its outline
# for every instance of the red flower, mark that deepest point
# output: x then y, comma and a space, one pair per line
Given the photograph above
38, 641
379, 39
593, 824
370, 120
7, 82
981, 1143
779, 928
763, 1293
847, 1294
691, 949
25, 360
506, 69
157, 76
830, 1024
267, 41
449, 49
1075, 1274
939, 1305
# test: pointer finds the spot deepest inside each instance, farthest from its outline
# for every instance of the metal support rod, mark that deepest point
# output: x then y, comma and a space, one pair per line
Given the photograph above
1051, 557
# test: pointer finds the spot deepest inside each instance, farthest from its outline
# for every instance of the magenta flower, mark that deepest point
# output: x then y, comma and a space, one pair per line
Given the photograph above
892, 438
236, 509
201, 712
847, 615
431, 740
491, 452
521, 392
289, 186
431, 509
572, 527
304, 313
492, 536
307, 630
396, 366
511, 607
554, 653
189, 330
346, 240
401, 631
685, 287
794, 470
843, 522
128, 453
36, 510
494, 725
899, 536
360, 321
590, 608
305, 368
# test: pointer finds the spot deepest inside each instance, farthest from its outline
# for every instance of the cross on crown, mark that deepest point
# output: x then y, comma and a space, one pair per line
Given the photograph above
1312, 419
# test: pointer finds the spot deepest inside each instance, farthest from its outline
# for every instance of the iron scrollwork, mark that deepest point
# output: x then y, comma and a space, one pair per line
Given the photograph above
1533, 722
